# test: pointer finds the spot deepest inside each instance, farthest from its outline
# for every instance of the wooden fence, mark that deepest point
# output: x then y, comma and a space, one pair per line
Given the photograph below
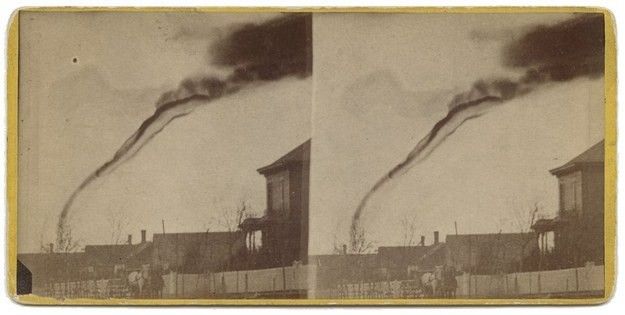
574, 282
274, 282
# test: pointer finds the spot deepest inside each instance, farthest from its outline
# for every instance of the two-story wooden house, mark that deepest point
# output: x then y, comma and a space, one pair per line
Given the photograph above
283, 228
578, 228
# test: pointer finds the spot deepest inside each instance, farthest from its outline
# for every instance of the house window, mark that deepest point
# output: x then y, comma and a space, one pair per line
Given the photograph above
571, 193
279, 192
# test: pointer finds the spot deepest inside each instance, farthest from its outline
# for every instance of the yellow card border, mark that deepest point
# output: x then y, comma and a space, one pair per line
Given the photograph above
610, 159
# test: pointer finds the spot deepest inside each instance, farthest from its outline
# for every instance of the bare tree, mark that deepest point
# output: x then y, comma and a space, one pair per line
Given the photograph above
65, 241
523, 221
230, 218
409, 230
43, 246
524, 218
358, 240
118, 223
338, 246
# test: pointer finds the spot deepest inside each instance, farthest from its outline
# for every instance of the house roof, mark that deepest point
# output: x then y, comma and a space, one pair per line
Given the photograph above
197, 252
36, 258
403, 252
546, 225
194, 236
254, 224
115, 254
334, 260
298, 155
594, 155
48, 265
465, 240
424, 256
429, 258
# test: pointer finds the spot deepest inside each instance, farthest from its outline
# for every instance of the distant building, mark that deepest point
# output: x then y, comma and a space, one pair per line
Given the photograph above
492, 253
333, 270
197, 252
284, 226
397, 260
47, 268
388, 264
578, 229
403, 262
94, 263
114, 261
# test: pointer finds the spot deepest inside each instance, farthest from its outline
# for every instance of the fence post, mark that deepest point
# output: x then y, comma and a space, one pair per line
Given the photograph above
506, 284
213, 287
475, 287
176, 275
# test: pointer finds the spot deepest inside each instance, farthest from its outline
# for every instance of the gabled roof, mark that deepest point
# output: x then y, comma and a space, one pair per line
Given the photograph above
300, 154
594, 155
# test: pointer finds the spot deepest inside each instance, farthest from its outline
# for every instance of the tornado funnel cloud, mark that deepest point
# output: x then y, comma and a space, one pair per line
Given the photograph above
154, 124
256, 53
442, 129
546, 54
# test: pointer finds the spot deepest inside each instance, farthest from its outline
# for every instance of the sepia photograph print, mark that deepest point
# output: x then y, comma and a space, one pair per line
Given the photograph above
319, 156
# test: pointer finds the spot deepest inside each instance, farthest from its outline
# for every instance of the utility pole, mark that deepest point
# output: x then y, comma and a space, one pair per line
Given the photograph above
456, 227
163, 223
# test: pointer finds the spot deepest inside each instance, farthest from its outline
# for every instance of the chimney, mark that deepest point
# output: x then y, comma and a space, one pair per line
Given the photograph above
142, 236
422, 241
129, 239
435, 237
51, 247
344, 249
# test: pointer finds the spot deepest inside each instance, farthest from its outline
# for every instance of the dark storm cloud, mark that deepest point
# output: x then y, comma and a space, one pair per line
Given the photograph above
268, 51
563, 51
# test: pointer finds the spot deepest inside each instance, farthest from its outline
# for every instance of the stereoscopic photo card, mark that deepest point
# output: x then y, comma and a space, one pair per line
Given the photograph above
364, 156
